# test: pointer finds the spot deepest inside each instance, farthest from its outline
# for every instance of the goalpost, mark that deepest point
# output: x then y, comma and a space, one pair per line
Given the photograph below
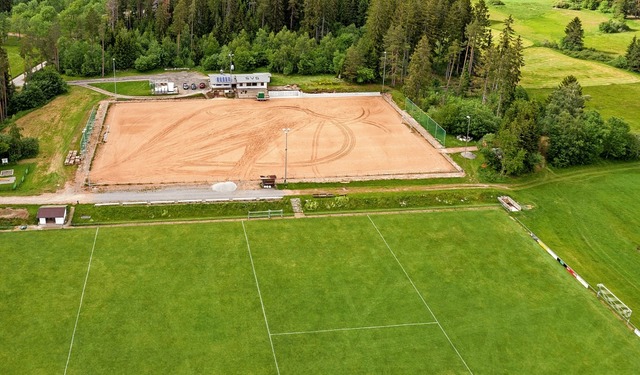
614, 302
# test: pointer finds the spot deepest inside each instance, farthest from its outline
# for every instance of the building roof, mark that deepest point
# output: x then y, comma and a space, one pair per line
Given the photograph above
228, 79
253, 77
51, 211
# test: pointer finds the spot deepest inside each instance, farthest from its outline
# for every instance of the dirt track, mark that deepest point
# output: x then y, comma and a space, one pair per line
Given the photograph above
202, 141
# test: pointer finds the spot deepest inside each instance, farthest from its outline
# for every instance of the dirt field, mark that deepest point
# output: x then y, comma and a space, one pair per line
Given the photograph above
204, 141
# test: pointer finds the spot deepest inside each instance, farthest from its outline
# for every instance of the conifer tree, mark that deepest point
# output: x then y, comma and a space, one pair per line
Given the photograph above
633, 55
503, 64
574, 36
420, 75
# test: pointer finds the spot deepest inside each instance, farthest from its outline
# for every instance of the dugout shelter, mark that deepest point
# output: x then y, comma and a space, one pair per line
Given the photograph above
52, 215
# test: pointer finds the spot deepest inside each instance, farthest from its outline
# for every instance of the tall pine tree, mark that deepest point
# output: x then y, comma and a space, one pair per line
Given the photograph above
574, 36
420, 76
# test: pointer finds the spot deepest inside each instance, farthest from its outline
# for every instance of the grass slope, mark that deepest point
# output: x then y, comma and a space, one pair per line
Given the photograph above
537, 21
590, 218
545, 68
58, 126
184, 299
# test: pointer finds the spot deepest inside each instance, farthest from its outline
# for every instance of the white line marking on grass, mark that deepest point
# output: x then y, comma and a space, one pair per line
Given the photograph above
420, 295
264, 313
354, 329
84, 287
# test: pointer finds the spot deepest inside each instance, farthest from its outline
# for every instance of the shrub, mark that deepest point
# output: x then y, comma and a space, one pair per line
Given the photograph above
453, 117
614, 26
147, 62
562, 5
590, 54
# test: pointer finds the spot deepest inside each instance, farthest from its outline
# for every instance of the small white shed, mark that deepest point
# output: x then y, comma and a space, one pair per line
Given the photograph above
52, 215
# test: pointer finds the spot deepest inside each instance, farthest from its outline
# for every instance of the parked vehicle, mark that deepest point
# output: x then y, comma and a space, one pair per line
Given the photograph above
193, 86
185, 86
202, 85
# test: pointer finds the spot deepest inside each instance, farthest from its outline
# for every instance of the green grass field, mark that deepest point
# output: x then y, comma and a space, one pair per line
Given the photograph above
407, 294
545, 68
133, 88
589, 216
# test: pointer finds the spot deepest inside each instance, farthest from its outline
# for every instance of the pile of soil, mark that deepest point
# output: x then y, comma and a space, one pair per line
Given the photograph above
14, 213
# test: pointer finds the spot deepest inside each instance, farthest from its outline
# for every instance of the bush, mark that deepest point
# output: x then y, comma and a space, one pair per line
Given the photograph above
30, 147
562, 5
453, 117
147, 62
42, 86
619, 62
210, 62
549, 44
614, 26
495, 2
590, 54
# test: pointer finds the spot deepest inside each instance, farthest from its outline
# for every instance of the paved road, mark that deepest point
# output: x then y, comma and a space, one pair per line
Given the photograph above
172, 195
19, 80
169, 195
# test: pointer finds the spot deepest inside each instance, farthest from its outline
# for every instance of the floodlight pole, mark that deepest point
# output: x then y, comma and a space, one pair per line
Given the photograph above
286, 148
384, 70
466, 145
115, 87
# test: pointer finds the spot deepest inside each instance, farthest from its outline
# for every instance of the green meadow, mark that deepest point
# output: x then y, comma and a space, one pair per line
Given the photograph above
589, 216
538, 22
612, 91
449, 292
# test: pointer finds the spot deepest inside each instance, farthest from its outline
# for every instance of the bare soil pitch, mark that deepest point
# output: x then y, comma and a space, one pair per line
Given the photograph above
204, 141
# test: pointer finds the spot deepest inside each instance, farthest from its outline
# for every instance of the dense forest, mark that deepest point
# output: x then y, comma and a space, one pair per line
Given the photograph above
440, 53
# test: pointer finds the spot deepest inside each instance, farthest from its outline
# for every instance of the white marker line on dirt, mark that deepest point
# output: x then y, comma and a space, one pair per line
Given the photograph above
420, 295
264, 313
84, 287
354, 328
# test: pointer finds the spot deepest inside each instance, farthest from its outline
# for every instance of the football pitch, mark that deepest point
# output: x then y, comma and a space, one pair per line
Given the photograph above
421, 293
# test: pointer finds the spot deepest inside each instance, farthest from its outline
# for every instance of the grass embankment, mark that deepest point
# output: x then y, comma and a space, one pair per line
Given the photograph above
397, 294
133, 88
88, 214
589, 216
58, 127
322, 83
94, 215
